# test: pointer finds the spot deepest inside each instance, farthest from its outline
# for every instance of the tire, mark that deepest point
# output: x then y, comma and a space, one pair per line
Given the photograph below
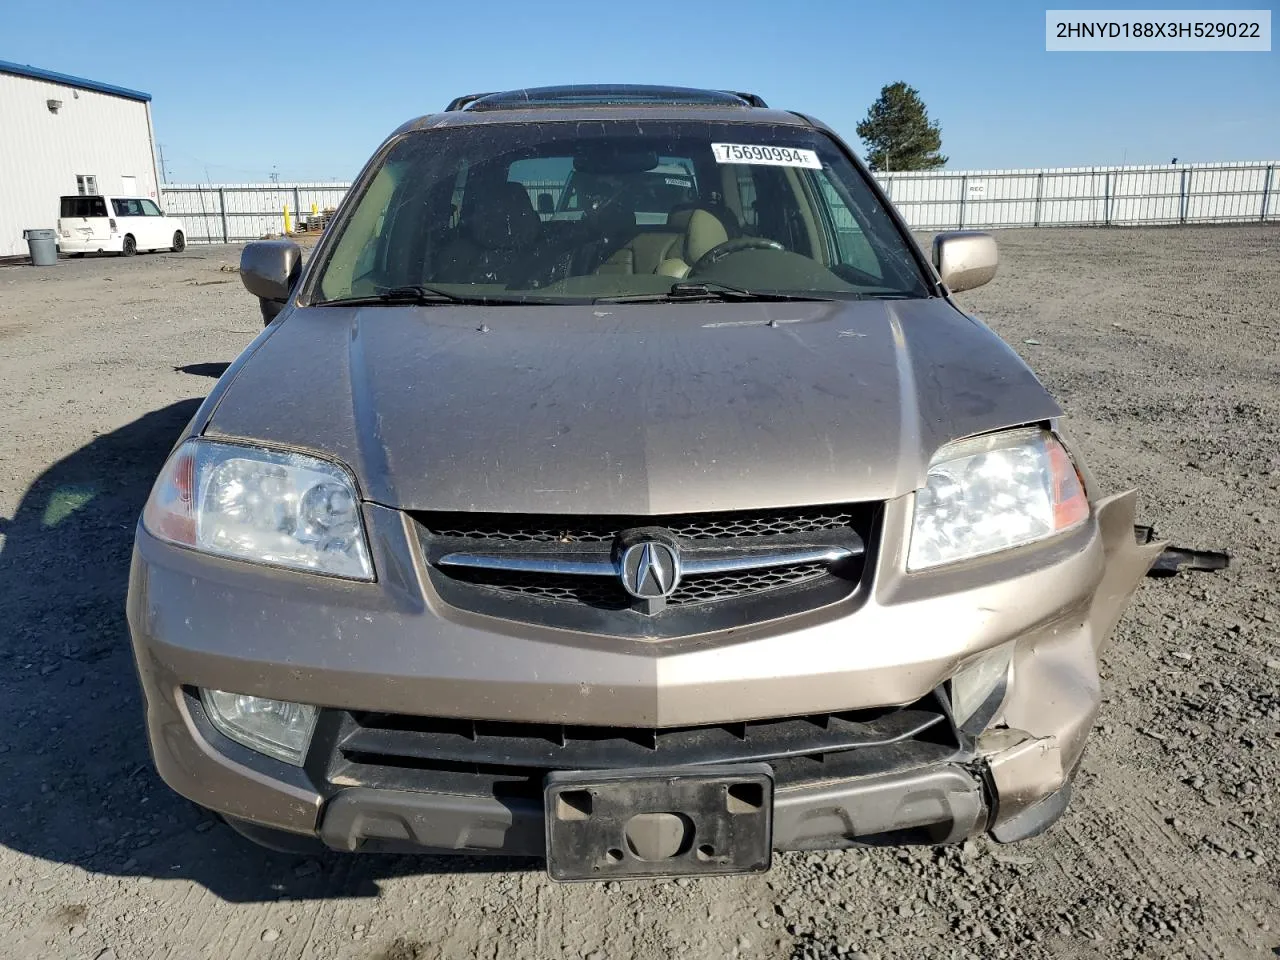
179, 242
130, 246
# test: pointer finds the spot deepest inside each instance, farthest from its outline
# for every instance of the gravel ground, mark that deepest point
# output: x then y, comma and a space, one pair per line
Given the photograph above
1164, 346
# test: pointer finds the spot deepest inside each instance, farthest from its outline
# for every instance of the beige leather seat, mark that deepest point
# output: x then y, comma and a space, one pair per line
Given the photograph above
704, 232
643, 252
691, 232
496, 233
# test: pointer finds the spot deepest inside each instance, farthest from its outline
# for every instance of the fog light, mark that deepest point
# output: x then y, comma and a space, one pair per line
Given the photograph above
275, 727
978, 688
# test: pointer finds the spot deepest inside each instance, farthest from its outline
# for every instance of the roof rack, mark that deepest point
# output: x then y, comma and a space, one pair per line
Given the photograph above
602, 94
752, 98
462, 102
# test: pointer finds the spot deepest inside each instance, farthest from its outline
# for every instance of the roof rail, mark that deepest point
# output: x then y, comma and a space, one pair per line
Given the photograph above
462, 102
603, 94
752, 98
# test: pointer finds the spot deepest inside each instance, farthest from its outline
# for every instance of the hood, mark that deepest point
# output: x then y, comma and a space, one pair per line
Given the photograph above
630, 409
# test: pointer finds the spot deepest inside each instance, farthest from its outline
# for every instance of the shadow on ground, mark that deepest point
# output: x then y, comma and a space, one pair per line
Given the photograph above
214, 370
79, 787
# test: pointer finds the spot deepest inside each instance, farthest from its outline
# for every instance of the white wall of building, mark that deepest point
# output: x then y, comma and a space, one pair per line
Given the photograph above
41, 152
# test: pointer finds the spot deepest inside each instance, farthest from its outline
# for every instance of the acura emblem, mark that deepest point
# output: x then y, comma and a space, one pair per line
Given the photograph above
650, 570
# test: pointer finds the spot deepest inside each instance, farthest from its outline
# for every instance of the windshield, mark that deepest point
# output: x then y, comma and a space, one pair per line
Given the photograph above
601, 210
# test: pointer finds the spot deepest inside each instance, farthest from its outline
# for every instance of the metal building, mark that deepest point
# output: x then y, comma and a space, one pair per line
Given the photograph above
63, 135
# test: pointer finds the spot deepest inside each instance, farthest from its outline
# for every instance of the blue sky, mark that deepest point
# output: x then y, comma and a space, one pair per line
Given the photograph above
310, 88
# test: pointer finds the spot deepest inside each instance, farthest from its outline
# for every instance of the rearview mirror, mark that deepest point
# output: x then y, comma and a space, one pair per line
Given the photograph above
965, 259
269, 270
613, 161
546, 205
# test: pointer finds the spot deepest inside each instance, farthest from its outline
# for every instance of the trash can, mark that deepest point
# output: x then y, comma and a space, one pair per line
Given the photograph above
43, 246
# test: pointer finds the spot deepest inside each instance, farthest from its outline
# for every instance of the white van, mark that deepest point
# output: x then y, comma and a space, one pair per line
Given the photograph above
96, 224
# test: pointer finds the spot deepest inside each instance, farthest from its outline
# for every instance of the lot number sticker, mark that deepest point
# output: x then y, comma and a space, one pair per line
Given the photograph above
769, 156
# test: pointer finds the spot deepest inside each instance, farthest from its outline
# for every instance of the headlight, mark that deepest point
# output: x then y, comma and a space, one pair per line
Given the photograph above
267, 506
990, 493
275, 727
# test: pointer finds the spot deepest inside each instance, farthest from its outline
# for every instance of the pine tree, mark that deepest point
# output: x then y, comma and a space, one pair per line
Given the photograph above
898, 132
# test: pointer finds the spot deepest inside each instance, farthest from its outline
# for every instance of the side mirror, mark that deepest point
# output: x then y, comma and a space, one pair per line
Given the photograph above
965, 259
269, 270
546, 206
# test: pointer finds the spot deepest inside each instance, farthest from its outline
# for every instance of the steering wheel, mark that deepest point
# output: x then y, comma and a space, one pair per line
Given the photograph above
730, 247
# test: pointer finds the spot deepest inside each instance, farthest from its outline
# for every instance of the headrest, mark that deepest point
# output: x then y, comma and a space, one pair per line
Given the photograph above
705, 231
678, 217
502, 218
614, 221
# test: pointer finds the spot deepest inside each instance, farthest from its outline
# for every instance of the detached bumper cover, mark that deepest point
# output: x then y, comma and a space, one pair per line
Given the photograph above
941, 804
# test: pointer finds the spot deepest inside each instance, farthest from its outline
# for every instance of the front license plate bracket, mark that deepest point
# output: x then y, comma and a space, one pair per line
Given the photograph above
615, 824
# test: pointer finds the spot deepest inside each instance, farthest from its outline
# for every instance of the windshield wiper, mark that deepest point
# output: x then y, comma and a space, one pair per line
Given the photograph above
725, 291
414, 294
712, 290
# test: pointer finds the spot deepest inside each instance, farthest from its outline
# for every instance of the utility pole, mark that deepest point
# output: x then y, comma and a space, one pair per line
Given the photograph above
164, 173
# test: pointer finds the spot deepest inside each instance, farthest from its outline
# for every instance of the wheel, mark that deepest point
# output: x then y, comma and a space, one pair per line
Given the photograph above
130, 246
179, 242
729, 247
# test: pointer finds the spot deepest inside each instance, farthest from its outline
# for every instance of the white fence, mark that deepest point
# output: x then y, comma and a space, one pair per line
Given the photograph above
1087, 196
929, 200
229, 212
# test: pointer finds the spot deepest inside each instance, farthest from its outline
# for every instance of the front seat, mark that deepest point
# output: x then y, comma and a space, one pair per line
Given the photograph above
664, 251
496, 234
643, 252
704, 232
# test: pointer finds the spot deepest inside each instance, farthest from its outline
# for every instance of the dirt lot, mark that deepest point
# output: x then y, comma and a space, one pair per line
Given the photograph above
1164, 346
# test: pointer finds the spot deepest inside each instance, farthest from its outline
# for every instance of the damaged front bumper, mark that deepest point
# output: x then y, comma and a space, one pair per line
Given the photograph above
233, 631
944, 803
939, 804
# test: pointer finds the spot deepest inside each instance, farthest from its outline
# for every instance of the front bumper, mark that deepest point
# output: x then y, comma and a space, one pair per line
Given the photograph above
394, 647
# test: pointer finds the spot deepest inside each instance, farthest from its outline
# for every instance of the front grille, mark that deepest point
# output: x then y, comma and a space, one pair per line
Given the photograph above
603, 593
487, 758
723, 586
547, 528
606, 593
598, 603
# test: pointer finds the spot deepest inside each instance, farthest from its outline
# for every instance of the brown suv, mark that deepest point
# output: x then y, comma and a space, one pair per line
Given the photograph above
648, 541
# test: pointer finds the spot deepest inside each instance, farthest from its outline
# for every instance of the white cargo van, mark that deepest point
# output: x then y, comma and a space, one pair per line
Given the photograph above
95, 224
